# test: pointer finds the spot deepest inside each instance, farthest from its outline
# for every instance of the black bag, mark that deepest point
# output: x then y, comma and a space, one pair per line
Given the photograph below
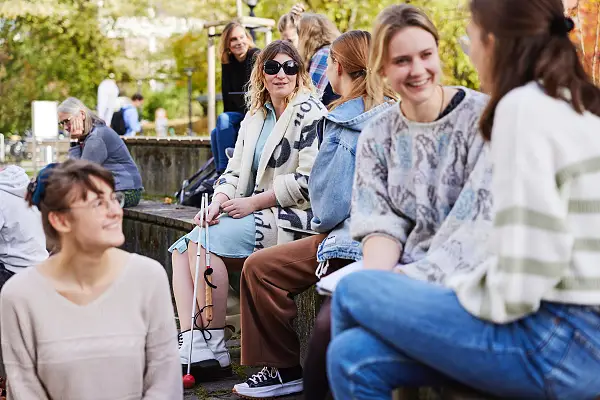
197, 185
117, 123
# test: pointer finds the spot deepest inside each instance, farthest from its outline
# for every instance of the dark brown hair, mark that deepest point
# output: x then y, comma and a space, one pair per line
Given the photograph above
63, 185
532, 44
351, 51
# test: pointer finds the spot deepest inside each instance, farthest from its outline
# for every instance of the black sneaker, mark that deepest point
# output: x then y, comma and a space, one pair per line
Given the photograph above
269, 382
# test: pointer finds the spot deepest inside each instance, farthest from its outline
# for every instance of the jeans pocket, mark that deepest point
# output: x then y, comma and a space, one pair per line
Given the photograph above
575, 374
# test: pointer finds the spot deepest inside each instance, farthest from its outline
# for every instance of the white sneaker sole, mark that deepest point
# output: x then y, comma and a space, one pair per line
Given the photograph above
270, 392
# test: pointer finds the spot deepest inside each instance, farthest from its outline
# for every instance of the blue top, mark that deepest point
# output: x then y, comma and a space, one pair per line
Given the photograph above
268, 125
132, 120
332, 178
105, 147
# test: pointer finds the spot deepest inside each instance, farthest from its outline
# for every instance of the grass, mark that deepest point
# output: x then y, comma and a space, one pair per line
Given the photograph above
201, 393
239, 370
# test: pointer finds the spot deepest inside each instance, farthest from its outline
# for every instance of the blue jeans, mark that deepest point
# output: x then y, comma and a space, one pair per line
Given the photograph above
389, 331
224, 136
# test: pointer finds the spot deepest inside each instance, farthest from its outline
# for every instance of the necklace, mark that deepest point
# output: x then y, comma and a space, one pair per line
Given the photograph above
442, 103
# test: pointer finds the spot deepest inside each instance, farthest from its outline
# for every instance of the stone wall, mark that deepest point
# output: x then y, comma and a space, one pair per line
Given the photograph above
166, 162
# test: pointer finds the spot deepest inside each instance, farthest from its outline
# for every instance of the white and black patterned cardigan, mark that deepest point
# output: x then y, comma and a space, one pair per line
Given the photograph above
285, 165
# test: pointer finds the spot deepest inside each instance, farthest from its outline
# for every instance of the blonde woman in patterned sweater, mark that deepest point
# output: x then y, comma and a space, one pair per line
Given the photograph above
525, 324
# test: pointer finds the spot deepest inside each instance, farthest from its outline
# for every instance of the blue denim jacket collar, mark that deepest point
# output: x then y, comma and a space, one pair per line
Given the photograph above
335, 163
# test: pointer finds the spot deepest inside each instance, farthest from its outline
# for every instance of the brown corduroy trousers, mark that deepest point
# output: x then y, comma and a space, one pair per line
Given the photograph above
270, 279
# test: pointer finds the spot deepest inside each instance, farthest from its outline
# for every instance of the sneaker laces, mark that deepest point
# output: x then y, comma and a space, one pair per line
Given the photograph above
205, 334
265, 374
322, 269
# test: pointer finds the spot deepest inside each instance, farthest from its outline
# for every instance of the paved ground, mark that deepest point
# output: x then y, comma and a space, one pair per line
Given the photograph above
221, 390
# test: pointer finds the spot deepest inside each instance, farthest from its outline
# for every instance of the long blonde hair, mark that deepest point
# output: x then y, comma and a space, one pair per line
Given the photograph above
389, 22
257, 95
72, 106
314, 32
351, 51
289, 20
226, 37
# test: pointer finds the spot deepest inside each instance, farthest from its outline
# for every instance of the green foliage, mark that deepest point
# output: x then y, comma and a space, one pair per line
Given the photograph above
51, 50
49, 57
190, 50
173, 100
449, 16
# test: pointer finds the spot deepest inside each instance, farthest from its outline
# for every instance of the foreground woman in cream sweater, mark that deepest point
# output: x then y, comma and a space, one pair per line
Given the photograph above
92, 321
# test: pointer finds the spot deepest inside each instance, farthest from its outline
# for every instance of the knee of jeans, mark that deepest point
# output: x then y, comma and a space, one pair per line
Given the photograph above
348, 287
340, 354
223, 121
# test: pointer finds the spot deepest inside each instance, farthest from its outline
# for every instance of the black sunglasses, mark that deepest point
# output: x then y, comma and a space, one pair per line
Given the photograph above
272, 67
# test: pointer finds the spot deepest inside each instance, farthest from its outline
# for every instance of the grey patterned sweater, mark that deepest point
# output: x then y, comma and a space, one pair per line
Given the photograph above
409, 175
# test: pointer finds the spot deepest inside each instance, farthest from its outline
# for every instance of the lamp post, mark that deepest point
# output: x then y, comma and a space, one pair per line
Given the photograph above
251, 4
189, 71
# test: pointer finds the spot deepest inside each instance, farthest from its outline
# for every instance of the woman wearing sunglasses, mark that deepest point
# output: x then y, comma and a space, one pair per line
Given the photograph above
91, 321
272, 277
99, 143
262, 198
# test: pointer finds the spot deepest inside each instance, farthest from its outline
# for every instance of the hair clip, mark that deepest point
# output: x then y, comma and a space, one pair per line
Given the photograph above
38, 185
561, 26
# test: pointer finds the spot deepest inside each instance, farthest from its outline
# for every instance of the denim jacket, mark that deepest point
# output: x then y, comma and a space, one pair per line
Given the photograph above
332, 178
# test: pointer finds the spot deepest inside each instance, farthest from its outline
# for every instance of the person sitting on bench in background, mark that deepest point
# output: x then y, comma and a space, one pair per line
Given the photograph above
238, 54
98, 143
22, 240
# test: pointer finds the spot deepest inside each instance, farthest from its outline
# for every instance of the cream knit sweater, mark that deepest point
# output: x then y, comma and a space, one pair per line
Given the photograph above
546, 187
121, 346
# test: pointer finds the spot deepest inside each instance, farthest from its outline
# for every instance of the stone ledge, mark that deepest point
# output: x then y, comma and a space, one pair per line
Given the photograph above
176, 141
165, 215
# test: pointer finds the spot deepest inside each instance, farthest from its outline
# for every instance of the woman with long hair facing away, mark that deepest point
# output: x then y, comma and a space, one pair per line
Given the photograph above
92, 321
315, 35
271, 277
238, 54
261, 200
97, 142
524, 324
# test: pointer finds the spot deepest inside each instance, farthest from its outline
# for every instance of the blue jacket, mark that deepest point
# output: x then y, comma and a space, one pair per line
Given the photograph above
332, 177
132, 120
103, 146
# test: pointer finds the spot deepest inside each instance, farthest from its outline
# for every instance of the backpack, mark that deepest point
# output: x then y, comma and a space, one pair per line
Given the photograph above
201, 182
117, 123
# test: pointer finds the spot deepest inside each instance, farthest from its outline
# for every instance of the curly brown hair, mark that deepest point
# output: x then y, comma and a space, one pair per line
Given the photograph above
257, 95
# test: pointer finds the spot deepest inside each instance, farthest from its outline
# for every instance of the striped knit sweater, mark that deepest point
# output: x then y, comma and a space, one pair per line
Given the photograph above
546, 187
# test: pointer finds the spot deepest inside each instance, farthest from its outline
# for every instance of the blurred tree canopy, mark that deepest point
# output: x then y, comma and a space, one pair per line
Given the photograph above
49, 55
449, 16
53, 49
